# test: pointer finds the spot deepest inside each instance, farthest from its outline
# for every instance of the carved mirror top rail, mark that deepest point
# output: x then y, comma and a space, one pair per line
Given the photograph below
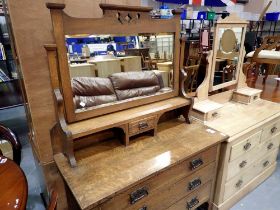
113, 88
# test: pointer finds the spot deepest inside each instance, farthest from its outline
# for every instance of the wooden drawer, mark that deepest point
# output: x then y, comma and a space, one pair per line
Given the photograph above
205, 116
163, 183
142, 125
171, 194
245, 146
243, 162
246, 95
246, 99
193, 200
270, 131
242, 179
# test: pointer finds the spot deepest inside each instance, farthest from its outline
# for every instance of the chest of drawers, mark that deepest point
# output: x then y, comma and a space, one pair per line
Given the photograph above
249, 155
175, 170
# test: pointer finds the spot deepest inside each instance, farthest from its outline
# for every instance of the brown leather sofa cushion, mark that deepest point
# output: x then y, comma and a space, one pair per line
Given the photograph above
134, 84
92, 91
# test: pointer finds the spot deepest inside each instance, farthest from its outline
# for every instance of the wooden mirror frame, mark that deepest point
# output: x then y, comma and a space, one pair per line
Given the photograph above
232, 21
141, 22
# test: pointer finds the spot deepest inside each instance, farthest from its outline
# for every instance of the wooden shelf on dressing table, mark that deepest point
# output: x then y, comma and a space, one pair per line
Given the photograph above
129, 121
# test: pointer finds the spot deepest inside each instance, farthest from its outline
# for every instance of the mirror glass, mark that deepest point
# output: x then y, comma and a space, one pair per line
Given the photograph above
110, 69
227, 54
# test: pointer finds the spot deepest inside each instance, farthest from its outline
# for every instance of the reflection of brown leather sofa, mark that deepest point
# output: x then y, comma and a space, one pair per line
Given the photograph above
93, 91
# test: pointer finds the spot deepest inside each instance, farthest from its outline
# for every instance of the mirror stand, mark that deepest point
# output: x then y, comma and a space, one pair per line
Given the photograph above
207, 107
128, 119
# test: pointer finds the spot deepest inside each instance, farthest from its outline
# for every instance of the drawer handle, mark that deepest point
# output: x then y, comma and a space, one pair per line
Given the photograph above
215, 114
239, 183
273, 130
192, 203
196, 163
143, 125
266, 163
194, 184
255, 97
247, 146
143, 208
270, 146
138, 195
243, 164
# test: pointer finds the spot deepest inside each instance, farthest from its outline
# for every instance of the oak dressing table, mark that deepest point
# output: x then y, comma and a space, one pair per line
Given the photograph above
252, 124
163, 161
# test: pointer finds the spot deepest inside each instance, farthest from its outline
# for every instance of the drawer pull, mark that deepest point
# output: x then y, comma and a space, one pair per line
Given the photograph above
239, 183
143, 208
192, 203
243, 164
266, 163
270, 146
138, 195
196, 163
143, 125
255, 97
194, 184
273, 130
247, 146
215, 114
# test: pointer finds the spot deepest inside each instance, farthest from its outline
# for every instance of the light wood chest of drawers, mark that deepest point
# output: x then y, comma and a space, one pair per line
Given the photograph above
249, 155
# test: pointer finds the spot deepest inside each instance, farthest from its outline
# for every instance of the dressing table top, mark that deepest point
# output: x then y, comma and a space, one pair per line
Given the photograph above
109, 168
237, 119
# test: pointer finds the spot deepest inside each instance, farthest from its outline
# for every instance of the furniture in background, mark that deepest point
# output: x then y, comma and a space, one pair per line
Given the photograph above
191, 81
105, 67
10, 84
91, 91
14, 188
53, 200
9, 144
166, 68
143, 52
249, 155
131, 63
82, 70
268, 53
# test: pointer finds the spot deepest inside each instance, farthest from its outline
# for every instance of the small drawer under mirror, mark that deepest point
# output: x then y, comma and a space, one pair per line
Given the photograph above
140, 126
246, 95
206, 110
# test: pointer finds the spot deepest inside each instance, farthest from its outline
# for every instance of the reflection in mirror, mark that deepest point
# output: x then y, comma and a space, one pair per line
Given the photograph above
227, 55
111, 69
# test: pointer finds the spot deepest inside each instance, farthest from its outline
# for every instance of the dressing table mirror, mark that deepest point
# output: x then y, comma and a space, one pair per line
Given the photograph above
224, 71
105, 71
227, 55
116, 73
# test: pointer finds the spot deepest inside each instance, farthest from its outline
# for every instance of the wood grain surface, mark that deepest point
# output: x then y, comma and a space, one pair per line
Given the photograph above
13, 184
236, 118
